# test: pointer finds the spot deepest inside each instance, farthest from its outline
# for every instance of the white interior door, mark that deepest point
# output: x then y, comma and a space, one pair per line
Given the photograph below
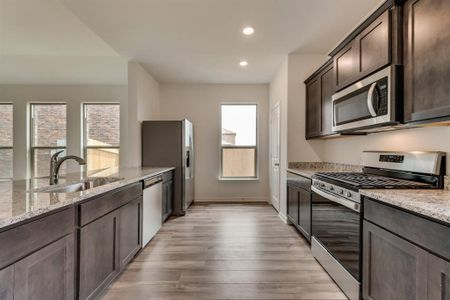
275, 156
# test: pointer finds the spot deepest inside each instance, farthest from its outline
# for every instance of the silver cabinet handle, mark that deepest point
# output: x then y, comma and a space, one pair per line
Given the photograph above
344, 202
370, 100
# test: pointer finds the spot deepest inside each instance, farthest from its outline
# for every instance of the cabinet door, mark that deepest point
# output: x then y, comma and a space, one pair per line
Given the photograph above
438, 278
313, 109
47, 273
327, 91
304, 207
7, 283
374, 46
98, 256
164, 201
345, 65
129, 231
393, 268
169, 199
426, 60
292, 204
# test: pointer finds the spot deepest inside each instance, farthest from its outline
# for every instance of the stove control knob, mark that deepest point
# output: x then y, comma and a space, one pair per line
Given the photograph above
322, 185
341, 191
331, 188
349, 194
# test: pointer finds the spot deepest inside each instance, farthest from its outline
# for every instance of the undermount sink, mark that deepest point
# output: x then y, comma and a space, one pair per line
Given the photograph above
77, 186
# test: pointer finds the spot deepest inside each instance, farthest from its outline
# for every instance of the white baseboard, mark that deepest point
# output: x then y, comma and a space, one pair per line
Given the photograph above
283, 218
232, 199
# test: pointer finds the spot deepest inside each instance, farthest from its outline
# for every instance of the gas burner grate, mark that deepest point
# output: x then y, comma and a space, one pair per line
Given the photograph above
363, 180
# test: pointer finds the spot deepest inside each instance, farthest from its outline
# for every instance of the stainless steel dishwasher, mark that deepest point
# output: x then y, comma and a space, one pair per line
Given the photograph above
152, 208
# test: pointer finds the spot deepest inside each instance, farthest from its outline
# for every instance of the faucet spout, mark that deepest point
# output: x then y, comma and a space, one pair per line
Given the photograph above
55, 165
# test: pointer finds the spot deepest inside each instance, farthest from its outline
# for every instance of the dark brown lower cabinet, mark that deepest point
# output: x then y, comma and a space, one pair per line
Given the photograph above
129, 231
7, 283
304, 208
99, 260
393, 268
299, 203
292, 195
110, 241
47, 273
438, 278
167, 199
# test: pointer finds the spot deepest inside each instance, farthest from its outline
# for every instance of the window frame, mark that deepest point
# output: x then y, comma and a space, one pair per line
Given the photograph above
84, 144
33, 148
12, 145
255, 147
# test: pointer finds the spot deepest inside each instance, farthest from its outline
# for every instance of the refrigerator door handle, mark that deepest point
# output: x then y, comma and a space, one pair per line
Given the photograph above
188, 159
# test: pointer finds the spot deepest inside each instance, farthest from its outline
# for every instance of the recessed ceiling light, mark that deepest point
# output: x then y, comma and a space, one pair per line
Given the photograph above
248, 30
243, 63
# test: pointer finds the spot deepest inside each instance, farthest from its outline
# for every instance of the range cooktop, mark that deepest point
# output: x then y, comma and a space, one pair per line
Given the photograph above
369, 181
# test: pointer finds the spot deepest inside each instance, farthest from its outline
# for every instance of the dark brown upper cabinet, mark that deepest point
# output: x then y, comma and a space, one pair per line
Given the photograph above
367, 52
327, 91
426, 60
319, 89
313, 108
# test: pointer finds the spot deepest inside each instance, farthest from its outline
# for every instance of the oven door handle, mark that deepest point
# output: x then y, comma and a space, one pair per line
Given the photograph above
372, 111
344, 202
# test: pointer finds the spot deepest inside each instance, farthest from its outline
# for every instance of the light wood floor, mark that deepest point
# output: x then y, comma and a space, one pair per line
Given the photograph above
225, 251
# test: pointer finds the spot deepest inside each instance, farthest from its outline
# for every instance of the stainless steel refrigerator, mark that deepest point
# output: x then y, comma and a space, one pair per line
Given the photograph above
171, 143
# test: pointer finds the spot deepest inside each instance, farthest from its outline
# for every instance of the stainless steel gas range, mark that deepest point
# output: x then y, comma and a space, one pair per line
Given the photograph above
337, 207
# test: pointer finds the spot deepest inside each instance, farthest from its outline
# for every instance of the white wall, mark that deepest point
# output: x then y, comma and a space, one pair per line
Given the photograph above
348, 149
300, 68
143, 104
200, 103
73, 96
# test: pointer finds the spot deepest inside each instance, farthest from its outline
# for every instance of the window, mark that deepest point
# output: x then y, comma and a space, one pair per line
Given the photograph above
239, 141
6, 140
101, 135
48, 135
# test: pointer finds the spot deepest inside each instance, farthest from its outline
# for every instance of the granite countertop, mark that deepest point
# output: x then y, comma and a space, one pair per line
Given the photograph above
308, 169
434, 204
18, 201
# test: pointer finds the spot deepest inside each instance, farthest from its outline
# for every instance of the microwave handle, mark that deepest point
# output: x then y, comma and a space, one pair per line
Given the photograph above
372, 111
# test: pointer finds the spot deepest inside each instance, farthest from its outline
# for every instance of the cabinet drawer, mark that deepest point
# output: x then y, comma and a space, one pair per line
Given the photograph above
108, 202
298, 181
20, 241
423, 232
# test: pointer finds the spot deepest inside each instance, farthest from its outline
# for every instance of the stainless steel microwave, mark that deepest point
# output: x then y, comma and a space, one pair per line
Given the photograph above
366, 104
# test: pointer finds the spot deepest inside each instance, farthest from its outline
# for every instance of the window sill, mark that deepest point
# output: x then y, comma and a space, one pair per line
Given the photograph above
239, 179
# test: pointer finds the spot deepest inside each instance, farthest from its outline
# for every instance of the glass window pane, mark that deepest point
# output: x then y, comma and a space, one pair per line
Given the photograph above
6, 163
6, 125
239, 125
49, 125
238, 162
42, 162
102, 124
101, 158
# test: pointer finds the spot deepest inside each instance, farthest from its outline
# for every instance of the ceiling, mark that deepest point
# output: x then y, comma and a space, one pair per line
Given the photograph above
201, 40
188, 41
42, 42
